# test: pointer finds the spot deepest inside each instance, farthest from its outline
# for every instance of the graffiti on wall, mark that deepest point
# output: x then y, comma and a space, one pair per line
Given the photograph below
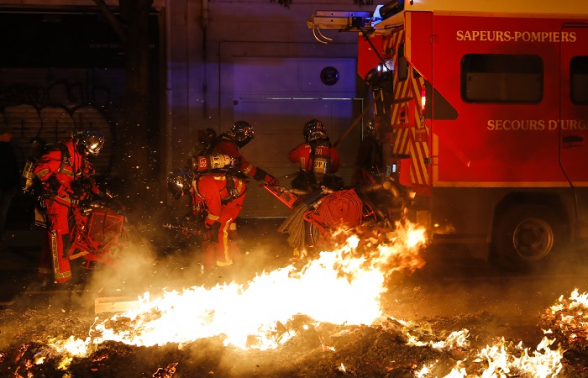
55, 111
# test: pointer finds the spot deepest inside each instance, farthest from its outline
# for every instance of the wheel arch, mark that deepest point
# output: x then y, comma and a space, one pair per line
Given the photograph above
550, 199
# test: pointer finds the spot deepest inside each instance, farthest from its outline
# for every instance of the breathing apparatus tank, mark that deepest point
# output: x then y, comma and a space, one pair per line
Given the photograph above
321, 159
36, 150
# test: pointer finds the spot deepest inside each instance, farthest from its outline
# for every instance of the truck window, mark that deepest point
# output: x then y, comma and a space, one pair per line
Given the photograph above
579, 80
501, 78
402, 64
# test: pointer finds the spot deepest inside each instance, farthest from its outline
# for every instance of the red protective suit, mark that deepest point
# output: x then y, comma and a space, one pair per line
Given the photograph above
305, 155
301, 155
223, 203
223, 197
56, 174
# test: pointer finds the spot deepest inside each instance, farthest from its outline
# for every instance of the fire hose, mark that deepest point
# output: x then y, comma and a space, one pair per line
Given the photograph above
341, 208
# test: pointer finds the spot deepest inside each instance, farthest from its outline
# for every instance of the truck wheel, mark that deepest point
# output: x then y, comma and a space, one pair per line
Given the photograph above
528, 236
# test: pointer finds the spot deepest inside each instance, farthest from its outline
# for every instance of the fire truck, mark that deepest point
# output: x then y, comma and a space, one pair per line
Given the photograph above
487, 106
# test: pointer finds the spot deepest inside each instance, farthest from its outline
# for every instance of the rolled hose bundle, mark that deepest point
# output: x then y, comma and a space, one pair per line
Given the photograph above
341, 208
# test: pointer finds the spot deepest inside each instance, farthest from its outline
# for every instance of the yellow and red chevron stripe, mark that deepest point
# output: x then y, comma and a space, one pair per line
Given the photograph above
411, 135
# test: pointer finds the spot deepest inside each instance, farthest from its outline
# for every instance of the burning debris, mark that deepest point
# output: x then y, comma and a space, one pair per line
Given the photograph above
568, 320
390, 348
325, 319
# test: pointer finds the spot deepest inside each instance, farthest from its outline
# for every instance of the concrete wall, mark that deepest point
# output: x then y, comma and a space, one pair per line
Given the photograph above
198, 47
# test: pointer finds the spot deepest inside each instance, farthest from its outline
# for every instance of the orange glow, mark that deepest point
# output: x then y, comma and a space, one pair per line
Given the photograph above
339, 287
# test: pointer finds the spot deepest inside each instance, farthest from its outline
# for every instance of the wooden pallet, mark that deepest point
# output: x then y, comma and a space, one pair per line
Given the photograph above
115, 304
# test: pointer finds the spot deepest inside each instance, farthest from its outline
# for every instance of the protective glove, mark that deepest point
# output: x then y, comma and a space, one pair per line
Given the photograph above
208, 223
271, 180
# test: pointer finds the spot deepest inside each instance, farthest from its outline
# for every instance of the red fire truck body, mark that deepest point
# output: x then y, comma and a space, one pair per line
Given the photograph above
490, 101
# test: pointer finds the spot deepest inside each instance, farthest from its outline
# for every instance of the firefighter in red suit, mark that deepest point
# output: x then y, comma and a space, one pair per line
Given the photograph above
229, 144
222, 196
219, 186
215, 189
317, 158
59, 170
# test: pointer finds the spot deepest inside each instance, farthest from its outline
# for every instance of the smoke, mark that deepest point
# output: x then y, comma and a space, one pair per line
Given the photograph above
167, 260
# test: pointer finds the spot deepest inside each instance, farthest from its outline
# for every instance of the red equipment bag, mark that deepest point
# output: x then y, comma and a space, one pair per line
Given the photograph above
98, 236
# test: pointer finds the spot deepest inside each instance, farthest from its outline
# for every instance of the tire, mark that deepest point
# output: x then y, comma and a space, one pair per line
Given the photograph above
528, 237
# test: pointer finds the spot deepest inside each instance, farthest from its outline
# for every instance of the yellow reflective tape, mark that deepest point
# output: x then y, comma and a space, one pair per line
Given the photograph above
63, 275
225, 243
42, 173
80, 254
63, 200
54, 252
225, 230
55, 258
239, 186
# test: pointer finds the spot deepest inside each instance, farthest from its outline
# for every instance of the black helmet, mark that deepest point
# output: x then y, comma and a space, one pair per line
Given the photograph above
91, 141
243, 132
178, 183
313, 130
206, 136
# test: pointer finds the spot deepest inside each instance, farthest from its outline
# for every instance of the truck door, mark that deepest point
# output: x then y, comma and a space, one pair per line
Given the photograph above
573, 126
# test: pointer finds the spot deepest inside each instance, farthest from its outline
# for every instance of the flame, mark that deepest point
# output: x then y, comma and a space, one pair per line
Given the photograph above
501, 360
340, 287
415, 334
498, 360
424, 371
569, 317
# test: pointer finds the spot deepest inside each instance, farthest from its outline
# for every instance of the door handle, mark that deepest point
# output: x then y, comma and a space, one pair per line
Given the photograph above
573, 139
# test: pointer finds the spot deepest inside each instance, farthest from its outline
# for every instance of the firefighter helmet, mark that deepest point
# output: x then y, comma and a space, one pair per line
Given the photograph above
178, 183
243, 132
206, 136
90, 141
314, 130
